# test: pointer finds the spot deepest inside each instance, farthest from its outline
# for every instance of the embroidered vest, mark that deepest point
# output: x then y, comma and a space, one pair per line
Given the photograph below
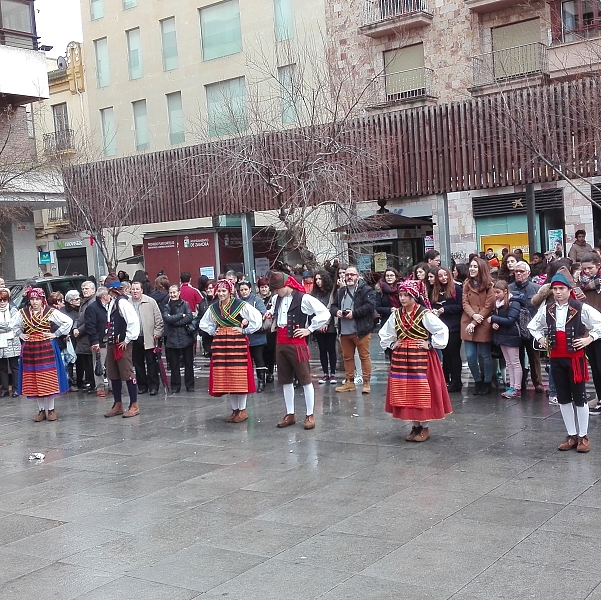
116, 325
297, 319
574, 326
413, 330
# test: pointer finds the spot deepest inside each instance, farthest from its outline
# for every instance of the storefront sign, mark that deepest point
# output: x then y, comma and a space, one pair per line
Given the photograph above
261, 266
364, 263
45, 258
373, 236
429, 242
196, 242
555, 237
510, 241
208, 271
65, 244
160, 244
380, 262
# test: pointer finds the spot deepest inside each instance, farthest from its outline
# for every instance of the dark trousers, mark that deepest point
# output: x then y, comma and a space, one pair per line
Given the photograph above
84, 367
567, 390
146, 366
6, 363
535, 369
207, 340
451, 357
256, 354
269, 351
326, 342
187, 355
593, 353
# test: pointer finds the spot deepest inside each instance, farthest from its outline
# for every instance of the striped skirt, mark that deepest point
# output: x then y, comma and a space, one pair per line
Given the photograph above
41, 370
417, 390
231, 365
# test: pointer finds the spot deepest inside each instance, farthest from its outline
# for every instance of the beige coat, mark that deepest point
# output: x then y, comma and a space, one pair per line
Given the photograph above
151, 321
477, 303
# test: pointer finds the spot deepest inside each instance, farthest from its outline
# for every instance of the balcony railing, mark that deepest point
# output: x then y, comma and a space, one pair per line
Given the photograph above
404, 86
510, 63
18, 39
382, 16
59, 141
58, 216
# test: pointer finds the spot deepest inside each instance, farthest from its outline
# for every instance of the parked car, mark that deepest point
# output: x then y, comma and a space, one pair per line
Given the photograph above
48, 284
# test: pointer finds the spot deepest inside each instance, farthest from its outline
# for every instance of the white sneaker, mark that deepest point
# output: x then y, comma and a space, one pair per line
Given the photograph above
333, 380
553, 399
324, 379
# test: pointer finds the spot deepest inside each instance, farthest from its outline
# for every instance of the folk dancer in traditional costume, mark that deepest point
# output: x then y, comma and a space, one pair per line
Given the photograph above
416, 385
292, 309
230, 321
566, 321
42, 373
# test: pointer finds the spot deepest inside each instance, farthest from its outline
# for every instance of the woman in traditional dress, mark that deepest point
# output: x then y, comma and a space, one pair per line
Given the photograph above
230, 321
416, 385
42, 374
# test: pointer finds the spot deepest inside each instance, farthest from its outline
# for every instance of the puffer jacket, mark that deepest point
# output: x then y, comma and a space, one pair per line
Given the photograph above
508, 333
13, 345
177, 315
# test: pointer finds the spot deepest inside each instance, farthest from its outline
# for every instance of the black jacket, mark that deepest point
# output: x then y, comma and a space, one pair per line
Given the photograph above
177, 315
161, 298
508, 333
453, 308
96, 319
364, 308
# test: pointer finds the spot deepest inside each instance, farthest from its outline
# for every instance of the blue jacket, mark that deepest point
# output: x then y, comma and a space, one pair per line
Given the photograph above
508, 333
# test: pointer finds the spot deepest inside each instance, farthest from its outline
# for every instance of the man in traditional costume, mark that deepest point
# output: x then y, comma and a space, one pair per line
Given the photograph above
42, 373
417, 390
292, 309
566, 321
230, 320
123, 327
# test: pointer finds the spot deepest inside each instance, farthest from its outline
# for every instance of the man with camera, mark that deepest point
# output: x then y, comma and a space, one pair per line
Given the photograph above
355, 307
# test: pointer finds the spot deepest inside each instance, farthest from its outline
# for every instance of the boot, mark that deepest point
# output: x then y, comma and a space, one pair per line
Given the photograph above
132, 411
269, 378
116, 410
241, 416
477, 388
260, 380
485, 389
52, 415
41, 416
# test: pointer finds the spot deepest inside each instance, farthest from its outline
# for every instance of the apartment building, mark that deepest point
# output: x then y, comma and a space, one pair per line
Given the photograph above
24, 185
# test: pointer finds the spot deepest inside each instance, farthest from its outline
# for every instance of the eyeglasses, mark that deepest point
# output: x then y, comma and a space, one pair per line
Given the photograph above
519, 271
352, 275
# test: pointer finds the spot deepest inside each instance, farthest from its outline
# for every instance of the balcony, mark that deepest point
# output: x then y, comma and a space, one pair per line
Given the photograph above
23, 76
509, 64
58, 217
404, 86
59, 142
486, 6
18, 39
387, 17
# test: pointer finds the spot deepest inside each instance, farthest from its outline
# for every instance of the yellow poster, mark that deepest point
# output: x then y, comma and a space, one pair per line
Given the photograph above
380, 262
493, 245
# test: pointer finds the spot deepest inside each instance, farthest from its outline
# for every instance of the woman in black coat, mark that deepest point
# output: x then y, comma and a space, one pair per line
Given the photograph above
388, 296
506, 333
446, 298
179, 340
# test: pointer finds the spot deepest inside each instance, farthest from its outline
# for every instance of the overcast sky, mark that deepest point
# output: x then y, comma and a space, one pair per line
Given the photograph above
58, 23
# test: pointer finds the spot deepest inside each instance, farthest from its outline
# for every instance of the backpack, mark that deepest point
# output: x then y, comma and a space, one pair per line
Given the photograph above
522, 323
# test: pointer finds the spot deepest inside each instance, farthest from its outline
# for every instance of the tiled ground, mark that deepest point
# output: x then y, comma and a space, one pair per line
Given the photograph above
177, 504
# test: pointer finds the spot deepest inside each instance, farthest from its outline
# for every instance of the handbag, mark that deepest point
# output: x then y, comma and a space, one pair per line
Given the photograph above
192, 326
495, 351
98, 368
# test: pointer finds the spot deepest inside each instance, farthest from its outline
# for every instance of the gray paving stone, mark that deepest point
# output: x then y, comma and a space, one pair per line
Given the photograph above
136, 589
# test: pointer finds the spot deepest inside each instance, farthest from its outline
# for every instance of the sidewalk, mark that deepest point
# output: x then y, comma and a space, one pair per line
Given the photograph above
177, 504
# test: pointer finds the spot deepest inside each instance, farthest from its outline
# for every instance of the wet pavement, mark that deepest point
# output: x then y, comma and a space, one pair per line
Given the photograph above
178, 504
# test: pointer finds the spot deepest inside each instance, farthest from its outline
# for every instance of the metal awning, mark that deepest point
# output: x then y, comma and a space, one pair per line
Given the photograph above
381, 221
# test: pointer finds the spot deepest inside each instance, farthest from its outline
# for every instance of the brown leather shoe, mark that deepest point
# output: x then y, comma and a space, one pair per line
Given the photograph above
423, 435
415, 430
366, 389
41, 416
116, 410
101, 393
241, 416
571, 442
132, 411
583, 444
287, 420
349, 386
231, 418
52, 415
309, 422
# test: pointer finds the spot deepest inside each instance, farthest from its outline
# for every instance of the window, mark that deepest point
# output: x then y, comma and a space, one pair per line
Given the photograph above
96, 9
169, 43
60, 117
283, 20
16, 16
220, 30
134, 53
580, 19
103, 75
141, 125
404, 73
288, 93
516, 49
226, 107
109, 133
176, 118
127, 4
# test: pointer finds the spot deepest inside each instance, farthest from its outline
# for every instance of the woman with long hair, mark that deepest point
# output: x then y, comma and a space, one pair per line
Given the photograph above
506, 333
507, 267
42, 374
230, 321
10, 346
323, 288
419, 274
416, 390
388, 297
268, 298
478, 303
446, 298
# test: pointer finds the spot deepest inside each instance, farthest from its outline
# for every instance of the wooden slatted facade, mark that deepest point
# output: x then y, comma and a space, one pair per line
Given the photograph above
494, 141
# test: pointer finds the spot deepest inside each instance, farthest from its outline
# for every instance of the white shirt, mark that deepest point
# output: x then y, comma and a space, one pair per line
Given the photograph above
248, 312
128, 312
591, 318
310, 306
431, 322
